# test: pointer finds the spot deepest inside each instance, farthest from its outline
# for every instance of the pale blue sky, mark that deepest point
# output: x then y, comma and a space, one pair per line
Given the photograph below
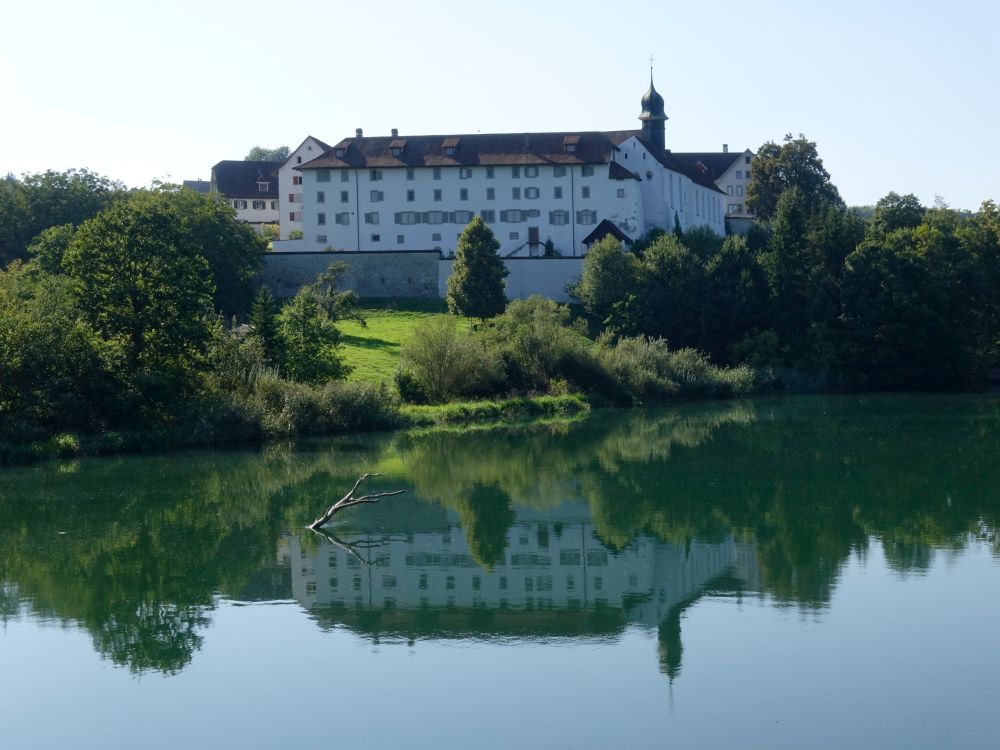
898, 95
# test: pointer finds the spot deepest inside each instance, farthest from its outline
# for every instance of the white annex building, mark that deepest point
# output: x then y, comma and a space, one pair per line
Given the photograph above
419, 192
251, 187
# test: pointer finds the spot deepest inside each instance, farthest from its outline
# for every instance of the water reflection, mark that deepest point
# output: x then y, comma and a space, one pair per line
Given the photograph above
552, 577
535, 532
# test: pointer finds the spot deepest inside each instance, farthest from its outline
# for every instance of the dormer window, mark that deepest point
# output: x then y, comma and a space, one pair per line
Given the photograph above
340, 152
397, 151
263, 186
570, 142
396, 146
450, 146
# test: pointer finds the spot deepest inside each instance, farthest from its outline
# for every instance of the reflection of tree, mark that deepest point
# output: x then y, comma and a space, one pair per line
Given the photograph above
486, 516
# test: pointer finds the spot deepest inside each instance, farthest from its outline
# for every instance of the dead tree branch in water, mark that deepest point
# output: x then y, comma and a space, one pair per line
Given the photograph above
348, 500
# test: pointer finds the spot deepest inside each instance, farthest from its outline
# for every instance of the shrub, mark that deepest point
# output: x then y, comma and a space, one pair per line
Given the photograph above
446, 362
537, 340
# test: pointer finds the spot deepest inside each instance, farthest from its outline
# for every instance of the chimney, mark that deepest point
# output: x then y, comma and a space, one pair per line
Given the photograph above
725, 146
395, 132
358, 133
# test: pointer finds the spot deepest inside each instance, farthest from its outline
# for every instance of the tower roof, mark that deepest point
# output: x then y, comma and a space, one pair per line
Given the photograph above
652, 103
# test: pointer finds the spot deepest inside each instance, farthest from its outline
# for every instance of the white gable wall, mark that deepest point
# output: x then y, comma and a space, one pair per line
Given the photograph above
290, 194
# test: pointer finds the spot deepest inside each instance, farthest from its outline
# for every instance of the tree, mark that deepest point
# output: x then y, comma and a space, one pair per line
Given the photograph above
894, 212
49, 247
234, 252
264, 319
259, 153
309, 339
609, 275
476, 284
144, 285
795, 164
39, 201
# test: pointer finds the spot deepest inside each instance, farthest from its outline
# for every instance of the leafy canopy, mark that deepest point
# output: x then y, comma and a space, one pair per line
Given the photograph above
476, 284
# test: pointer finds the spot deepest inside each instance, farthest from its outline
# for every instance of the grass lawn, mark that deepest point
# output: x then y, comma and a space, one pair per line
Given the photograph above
374, 351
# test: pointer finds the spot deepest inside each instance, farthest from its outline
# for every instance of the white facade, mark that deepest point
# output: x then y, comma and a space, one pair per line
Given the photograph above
734, 184
376, 209
290, 185
255, 211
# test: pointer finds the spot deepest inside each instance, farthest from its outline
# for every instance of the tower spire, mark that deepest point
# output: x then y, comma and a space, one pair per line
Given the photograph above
653, 115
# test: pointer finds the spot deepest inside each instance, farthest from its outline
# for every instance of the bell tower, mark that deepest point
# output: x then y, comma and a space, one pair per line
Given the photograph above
653, 117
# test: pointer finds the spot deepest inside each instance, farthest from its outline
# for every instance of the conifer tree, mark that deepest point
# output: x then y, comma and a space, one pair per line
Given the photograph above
476, 285
264, 319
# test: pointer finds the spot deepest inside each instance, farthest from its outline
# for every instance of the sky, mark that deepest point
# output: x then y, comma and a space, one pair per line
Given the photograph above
899, 96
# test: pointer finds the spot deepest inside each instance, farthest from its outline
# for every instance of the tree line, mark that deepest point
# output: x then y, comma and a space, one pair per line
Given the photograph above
905, 297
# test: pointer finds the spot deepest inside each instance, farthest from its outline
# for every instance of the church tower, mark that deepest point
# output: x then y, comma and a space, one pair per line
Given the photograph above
653, 118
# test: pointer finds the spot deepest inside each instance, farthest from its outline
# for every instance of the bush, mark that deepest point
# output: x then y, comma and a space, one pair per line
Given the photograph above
408, 387
538, 341
446, 363
647, 370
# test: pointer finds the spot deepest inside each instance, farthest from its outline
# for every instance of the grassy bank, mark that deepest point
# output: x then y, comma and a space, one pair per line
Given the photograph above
373, 350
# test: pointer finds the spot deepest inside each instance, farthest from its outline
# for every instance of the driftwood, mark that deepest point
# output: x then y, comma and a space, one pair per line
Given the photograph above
348, 500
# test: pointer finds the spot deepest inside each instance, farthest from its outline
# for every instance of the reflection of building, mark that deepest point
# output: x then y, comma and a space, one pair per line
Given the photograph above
552, 564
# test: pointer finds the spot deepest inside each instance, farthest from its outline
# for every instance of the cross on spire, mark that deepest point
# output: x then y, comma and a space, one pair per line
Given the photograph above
650, 64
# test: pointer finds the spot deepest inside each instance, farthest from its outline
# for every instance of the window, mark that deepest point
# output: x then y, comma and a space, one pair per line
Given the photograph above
531, 193
739, 208
397, 151
407, 217
400, 239
570, 148
376, 238
260, 205
374, 175
531, 171
515, 172
410, 173
296, 179
321, 219
345, 176
739, 174
463, 194
321, 238
513, 216
621, 192
449, 151
298, 159
436, 237
291, 216
340, 152
263, 186
345, 197
489, 173
739, 190
239, 204
323, 175
557, 193
343, 218
464, 173
514, 235
411, 195
371, 217
729, 189
558, 171
587, 170
746, 159
558, 218
376, 196
491, 194
585, 191
435, 217
489, 216
586, 217
437, 194
274, 204
320, 196
462, 217
515, 193
437, 173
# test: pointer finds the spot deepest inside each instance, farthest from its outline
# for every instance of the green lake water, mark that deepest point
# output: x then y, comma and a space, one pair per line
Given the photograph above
786, 573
